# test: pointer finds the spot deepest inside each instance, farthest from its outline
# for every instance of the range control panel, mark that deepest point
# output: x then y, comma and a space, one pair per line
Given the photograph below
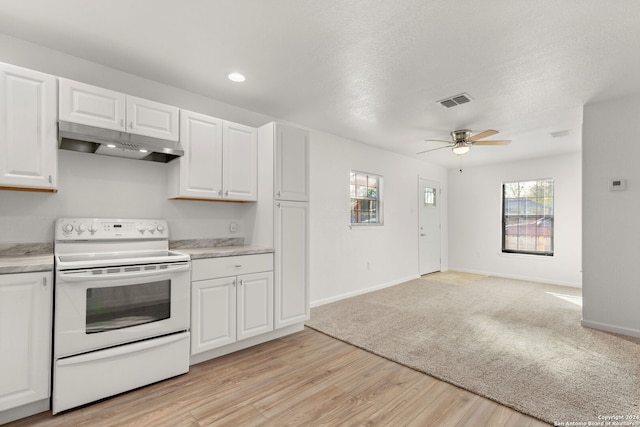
110, 229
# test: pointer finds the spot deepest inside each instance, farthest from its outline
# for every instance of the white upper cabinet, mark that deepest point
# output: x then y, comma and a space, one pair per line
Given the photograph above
291, 163
240, 162
90, 105
198, 174
94, 106
152, 118
28, 129
220, 160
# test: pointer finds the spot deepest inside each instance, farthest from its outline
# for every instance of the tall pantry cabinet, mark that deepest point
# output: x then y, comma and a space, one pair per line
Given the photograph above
283, 209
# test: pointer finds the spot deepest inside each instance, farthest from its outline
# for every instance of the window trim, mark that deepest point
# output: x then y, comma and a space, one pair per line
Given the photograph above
379, 200
504, 217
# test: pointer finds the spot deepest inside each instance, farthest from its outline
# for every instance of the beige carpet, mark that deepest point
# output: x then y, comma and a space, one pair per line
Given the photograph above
453, 277
518, 343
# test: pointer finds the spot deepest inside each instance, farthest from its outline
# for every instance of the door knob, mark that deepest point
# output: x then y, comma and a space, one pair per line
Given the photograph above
422, 234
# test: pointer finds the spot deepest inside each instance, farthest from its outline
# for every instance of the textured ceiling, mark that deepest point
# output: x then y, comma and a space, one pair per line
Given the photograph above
370, 71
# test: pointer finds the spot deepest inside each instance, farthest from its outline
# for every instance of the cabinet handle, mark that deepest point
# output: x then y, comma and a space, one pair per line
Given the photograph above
44, 282
50, 180
121, 123
238, 265
278, 204
130, 125
234, 283
226, 193
278, 193
241, 283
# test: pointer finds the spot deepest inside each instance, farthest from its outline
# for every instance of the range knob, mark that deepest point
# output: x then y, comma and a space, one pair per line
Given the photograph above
81, 228
67, 228
160, 228
141, 229
93, 228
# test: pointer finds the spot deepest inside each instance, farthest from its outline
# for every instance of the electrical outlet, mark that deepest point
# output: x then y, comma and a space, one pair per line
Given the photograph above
617, 185
233, 227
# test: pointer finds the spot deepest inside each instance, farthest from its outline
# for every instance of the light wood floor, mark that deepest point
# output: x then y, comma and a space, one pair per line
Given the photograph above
304, 379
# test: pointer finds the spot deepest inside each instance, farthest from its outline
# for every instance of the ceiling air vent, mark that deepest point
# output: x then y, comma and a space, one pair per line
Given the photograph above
560, 133
452, 101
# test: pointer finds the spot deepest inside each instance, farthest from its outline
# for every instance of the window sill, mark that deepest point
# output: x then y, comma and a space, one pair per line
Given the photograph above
366, 225
527, 256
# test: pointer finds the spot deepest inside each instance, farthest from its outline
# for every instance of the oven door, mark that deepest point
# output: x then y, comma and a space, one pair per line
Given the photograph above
105, 307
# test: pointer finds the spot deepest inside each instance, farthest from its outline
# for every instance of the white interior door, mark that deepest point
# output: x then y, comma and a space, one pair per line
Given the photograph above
429, 226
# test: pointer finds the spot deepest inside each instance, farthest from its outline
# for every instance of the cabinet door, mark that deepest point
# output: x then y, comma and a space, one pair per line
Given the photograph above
240, 162
213, 314
201, 165
90, 105
25, 338
291, 263
255, 304
152, 118
28, 129
291, 164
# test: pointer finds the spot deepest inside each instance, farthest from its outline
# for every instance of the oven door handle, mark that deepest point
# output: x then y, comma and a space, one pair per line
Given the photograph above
88, 276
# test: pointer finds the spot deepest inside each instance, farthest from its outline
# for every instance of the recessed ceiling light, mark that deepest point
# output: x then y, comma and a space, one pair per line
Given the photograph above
236, 77
142, 150
111, 146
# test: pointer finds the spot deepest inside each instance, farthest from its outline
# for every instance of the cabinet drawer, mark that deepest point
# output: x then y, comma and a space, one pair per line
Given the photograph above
211, 268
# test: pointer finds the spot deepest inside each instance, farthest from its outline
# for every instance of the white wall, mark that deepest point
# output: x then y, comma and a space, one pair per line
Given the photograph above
345, 261
611, 228
475, 209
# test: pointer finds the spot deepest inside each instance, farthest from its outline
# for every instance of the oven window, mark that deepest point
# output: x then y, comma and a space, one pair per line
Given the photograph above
121, 307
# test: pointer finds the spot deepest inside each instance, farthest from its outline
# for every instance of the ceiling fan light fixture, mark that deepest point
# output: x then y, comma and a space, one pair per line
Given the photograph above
460, 148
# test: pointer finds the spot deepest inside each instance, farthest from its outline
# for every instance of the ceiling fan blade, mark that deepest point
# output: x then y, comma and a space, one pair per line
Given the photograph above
481, 135
439, 140
434, 149
493, 142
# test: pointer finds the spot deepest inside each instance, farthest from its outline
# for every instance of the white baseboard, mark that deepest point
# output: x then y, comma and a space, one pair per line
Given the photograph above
361, 291
610, 328
518, 277
246, 343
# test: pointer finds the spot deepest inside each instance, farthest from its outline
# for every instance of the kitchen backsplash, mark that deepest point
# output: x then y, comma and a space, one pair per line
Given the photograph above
109, 187
205, 243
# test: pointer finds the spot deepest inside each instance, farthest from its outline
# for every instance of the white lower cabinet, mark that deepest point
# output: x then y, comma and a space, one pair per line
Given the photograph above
26, 301
233, 307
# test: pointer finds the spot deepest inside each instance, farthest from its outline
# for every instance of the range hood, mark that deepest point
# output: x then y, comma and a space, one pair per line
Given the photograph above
90, 139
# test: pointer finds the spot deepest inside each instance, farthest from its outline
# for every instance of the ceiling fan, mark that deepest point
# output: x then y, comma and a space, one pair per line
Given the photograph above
462, 141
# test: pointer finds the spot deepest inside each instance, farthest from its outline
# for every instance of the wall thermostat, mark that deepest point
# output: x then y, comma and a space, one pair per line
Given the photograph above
617, 185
